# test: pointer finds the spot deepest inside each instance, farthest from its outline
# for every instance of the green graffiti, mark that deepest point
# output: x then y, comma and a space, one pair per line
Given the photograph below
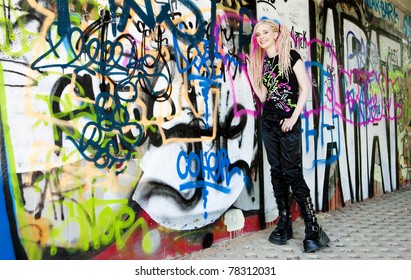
20, 35
96, 230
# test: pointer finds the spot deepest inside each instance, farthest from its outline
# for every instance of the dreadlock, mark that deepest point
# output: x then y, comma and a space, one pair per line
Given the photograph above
283, 46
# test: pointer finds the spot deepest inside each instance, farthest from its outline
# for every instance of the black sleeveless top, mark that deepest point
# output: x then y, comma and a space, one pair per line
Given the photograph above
282, 95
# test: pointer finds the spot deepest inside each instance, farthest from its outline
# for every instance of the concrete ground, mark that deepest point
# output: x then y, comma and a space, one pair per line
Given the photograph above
376, 229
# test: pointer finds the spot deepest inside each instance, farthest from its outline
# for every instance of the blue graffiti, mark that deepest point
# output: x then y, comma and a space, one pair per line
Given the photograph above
212, 170
147, 16
407, 27
91, 50
126, 68
63, 17
100, 138
385, 9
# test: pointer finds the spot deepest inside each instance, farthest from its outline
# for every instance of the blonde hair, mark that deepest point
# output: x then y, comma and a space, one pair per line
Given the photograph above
283, 46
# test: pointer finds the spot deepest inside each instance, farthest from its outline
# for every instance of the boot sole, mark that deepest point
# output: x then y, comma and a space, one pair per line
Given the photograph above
313, 245
280, 240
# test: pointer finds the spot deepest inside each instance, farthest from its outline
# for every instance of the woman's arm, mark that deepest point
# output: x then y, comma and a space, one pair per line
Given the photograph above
258, 87
261, 92
304, 92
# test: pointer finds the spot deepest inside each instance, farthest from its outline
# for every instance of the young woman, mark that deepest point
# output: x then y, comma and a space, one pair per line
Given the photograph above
278, 76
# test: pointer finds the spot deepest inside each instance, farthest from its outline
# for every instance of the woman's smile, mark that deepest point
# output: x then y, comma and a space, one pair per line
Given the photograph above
265, 36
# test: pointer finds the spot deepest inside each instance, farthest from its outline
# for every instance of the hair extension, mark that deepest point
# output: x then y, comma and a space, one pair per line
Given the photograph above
283, 46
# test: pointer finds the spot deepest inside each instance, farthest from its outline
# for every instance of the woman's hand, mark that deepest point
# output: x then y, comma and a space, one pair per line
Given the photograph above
287, 124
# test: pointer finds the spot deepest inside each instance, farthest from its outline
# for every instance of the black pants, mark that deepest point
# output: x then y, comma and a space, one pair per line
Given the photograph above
284, 156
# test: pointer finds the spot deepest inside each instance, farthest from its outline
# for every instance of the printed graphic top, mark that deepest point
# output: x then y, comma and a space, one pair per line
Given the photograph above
282, 95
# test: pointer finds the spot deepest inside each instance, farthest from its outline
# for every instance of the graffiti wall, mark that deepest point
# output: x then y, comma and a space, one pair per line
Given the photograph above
129, 129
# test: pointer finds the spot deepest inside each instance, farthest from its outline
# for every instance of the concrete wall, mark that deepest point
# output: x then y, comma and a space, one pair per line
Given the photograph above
128, 128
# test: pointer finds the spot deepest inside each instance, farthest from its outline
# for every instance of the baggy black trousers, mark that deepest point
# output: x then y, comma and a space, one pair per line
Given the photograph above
284, 156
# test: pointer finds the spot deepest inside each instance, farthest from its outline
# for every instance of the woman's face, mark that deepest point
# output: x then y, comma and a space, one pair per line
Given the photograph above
265, 36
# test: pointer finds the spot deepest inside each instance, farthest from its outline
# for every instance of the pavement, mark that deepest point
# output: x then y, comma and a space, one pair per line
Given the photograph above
375, 229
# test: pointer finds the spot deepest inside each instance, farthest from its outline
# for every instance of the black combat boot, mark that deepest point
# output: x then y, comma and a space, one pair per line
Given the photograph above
283, 230
315, 236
